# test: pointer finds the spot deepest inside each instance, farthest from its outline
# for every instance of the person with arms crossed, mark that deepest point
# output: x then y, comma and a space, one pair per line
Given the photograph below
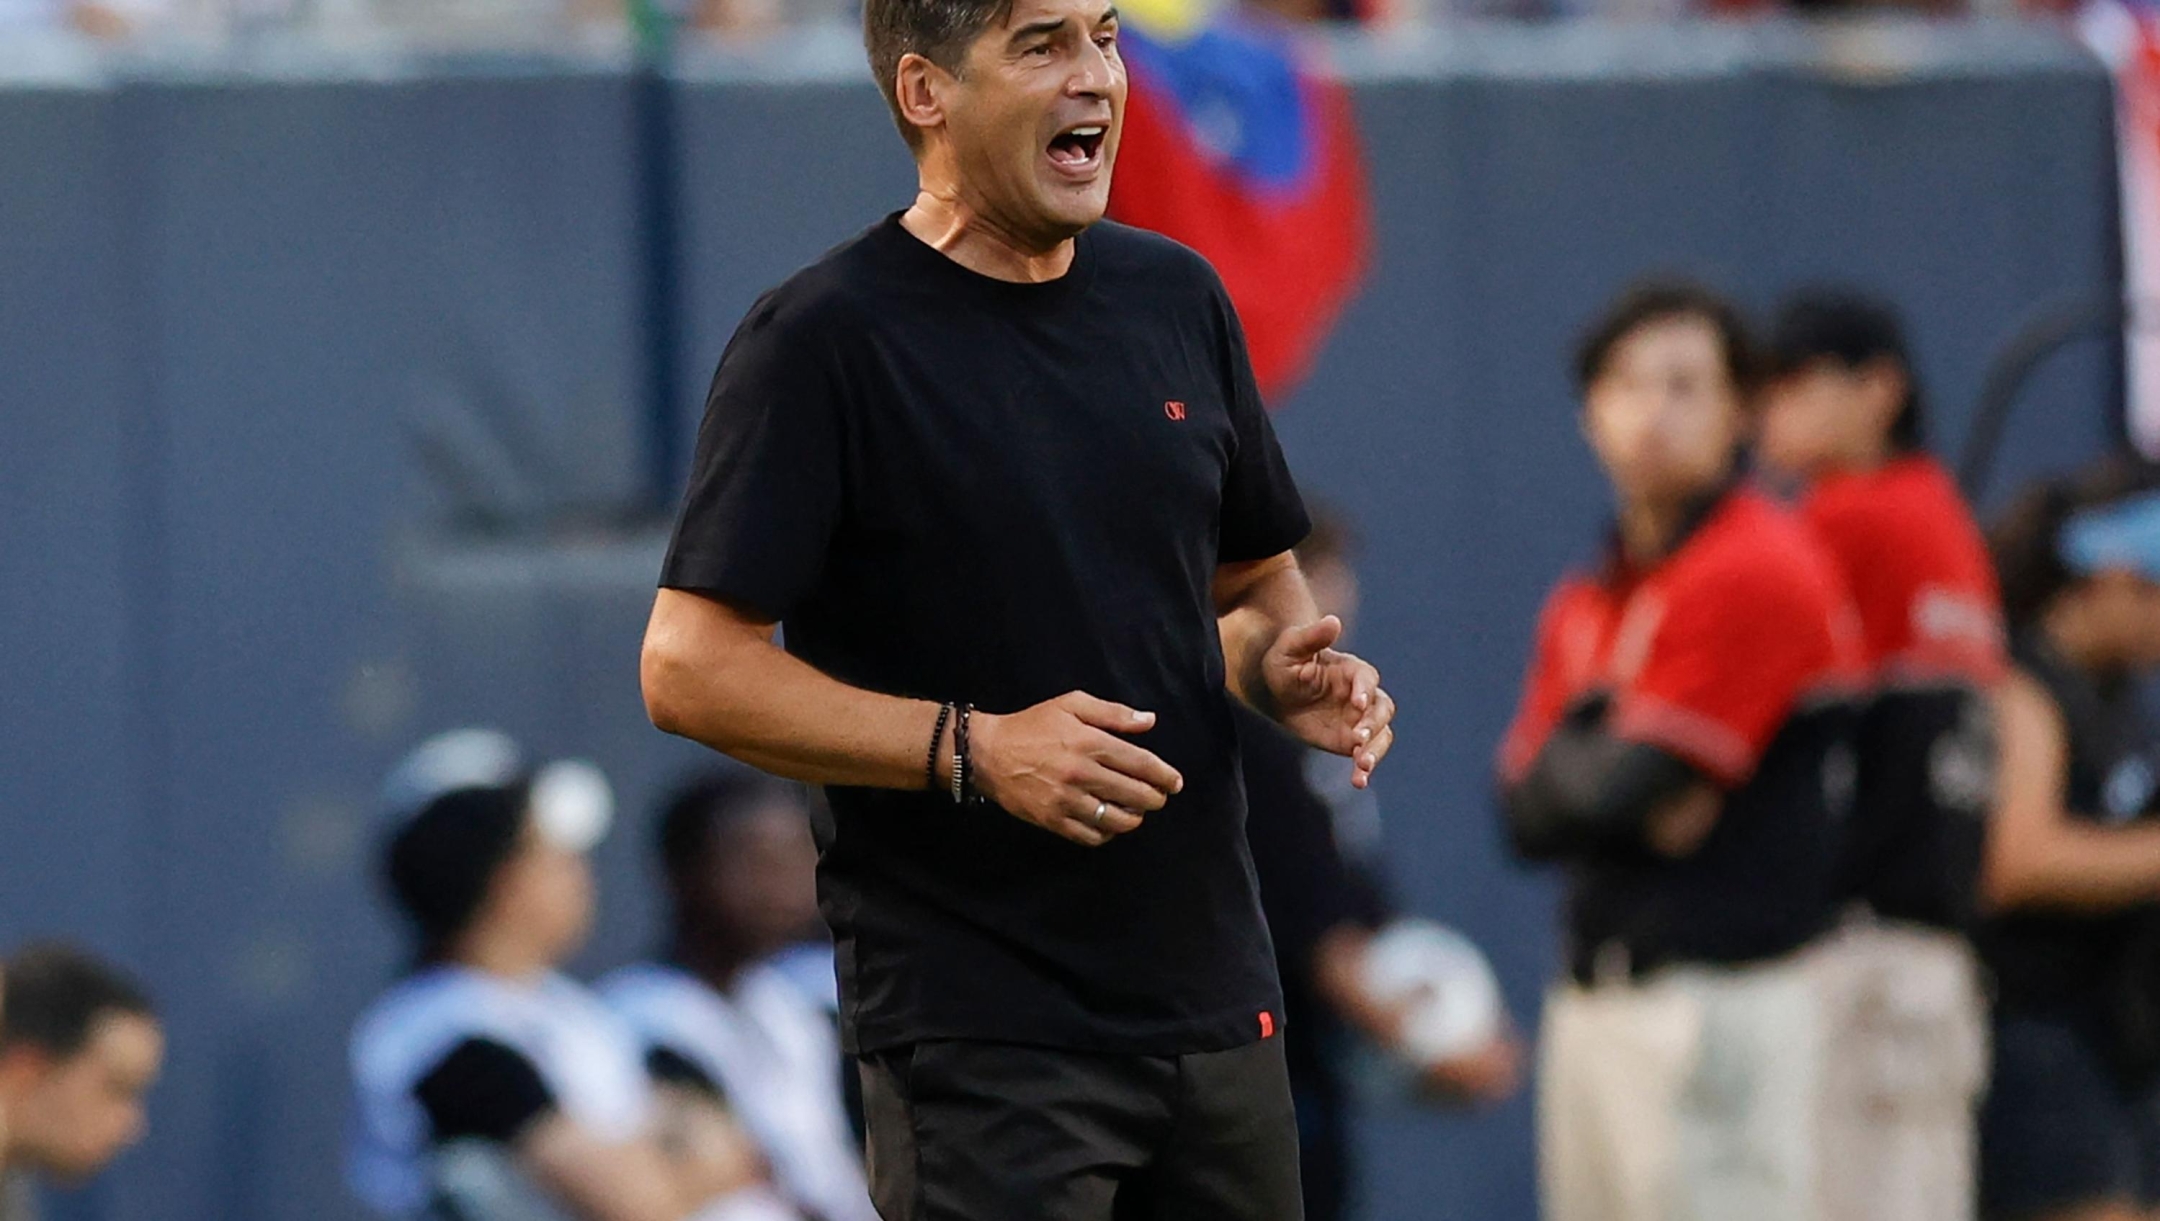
490, 1086
1003, 473
1678, 748
1904, 1016
2070, 1129
718, 1014
80, 1047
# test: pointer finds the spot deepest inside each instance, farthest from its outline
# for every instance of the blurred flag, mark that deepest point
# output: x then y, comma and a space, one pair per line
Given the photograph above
1233, 149
2127, 38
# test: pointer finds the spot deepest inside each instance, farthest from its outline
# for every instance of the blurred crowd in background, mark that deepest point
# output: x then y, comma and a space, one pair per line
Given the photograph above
521, 22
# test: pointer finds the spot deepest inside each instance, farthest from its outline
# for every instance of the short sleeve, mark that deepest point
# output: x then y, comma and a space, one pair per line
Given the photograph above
1549, 682
1262, 513
483, 1089
1730, 655
765, 485
1918, 572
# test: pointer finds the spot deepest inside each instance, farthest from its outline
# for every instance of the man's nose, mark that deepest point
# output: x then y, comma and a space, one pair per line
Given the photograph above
1096, 73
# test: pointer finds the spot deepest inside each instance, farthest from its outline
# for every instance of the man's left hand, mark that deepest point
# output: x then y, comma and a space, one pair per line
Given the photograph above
1329, 698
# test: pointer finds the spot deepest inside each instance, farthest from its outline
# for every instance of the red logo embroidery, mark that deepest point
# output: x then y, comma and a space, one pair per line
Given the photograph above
1267, 1024
1175, 410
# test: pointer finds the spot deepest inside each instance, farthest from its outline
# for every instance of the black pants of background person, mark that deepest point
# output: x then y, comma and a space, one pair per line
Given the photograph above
2058, 1129
968, 1131
1323, 1151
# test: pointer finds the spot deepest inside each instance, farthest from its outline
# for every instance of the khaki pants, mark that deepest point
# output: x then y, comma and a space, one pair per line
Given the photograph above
1906, 1035
1689, 1096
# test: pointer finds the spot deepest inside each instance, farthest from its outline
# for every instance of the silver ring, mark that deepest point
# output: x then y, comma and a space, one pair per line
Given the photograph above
1101, 808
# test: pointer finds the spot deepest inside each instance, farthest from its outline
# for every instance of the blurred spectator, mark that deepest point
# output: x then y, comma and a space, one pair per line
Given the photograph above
718, 1016
1903, 1010
1671, 749
492, 1088
2071, 1125
495, 22
79, 1049
108, 19
740, 18
1325, 902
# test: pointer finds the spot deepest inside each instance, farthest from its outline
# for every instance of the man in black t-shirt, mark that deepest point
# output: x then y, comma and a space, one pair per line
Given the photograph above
1003, 473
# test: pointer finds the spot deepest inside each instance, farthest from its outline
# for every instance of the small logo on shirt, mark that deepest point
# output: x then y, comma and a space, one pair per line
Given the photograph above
1267, 1024
1175, 409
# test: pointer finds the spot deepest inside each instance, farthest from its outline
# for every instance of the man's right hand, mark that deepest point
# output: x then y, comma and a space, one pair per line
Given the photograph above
1058, 763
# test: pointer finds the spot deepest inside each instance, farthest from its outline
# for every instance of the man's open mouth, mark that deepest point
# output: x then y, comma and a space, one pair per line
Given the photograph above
1078, 147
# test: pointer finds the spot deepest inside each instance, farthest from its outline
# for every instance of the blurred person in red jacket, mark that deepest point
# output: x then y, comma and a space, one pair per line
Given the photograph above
1904, 1014
1682, 747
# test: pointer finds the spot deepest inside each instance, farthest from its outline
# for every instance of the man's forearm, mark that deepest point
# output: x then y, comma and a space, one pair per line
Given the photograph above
2077, 867
1254, 604
736, 691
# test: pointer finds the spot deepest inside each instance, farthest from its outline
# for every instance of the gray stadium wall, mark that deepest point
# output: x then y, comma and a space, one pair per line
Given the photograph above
325, 423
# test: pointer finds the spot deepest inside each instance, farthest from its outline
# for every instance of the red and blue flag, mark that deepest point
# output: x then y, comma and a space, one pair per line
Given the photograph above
1233, 148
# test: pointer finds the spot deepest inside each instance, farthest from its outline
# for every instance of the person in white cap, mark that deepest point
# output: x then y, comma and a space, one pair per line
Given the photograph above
489, 1084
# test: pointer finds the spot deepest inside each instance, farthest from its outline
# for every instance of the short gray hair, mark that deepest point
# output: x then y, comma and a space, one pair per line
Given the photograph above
938, 30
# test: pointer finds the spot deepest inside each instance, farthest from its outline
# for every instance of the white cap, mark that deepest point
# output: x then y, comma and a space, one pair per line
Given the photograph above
572, 804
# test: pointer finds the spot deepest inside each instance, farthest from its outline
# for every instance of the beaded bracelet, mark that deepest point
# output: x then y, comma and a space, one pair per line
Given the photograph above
930, 769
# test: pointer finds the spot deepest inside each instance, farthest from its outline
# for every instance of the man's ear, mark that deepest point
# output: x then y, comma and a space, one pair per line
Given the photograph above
920, 89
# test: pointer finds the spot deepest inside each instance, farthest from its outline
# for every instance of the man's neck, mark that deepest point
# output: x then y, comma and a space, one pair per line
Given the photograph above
1648, 528
1862, 459
715, 960
501, 953
942, 220
1651, 526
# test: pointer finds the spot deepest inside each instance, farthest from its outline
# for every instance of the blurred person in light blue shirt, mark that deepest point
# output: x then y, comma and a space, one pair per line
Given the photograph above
740, 1005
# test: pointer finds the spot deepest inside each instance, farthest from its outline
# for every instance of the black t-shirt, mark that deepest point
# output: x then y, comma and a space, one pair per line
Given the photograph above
483, 1090
958, 488
2059, 963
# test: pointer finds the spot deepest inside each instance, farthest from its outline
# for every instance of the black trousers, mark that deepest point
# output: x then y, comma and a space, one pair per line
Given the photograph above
968, 1131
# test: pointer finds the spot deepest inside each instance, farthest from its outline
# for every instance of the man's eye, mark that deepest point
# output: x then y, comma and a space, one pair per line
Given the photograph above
1106, 41
1040, 48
